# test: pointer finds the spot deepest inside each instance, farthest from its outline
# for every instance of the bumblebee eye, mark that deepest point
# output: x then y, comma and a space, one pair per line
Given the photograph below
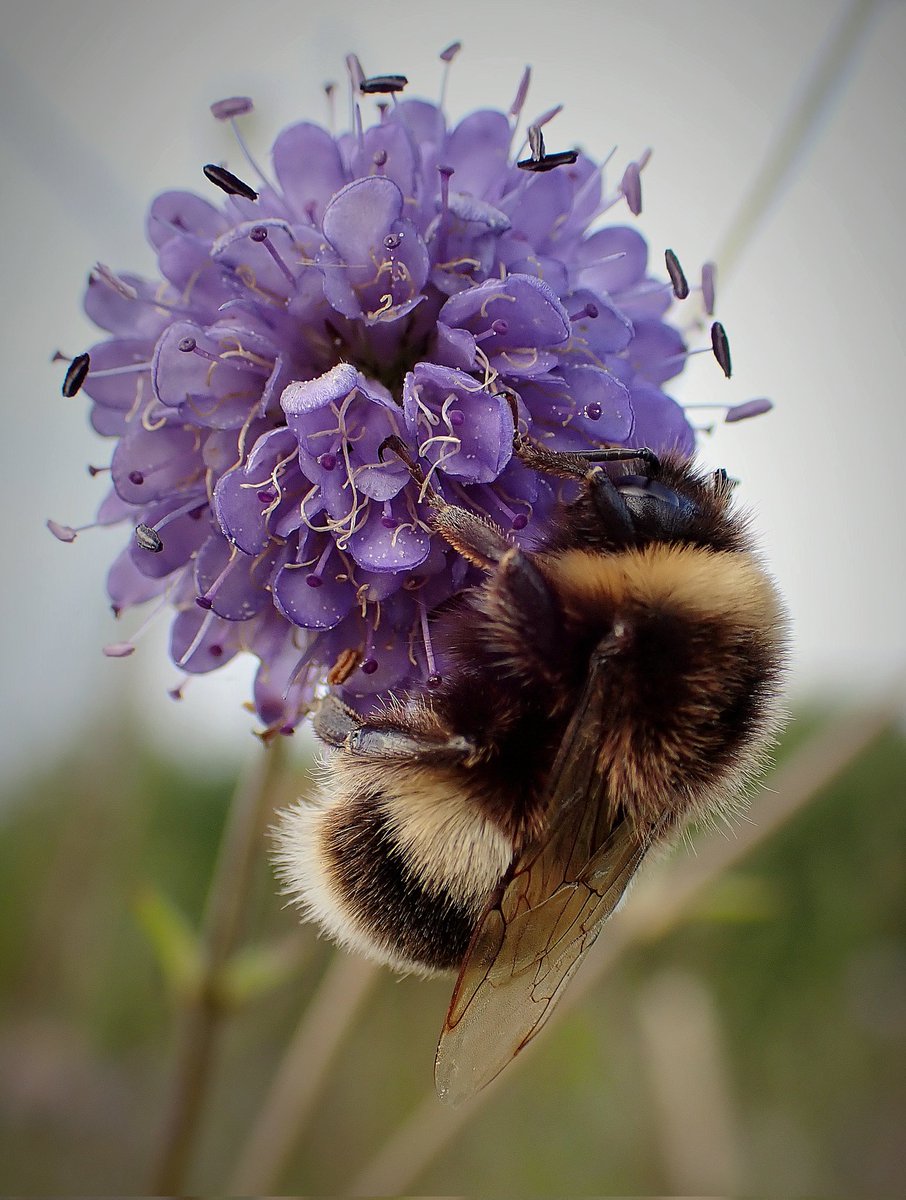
645, 496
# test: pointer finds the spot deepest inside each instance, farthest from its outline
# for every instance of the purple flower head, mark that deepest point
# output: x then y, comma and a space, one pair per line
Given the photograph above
410, 278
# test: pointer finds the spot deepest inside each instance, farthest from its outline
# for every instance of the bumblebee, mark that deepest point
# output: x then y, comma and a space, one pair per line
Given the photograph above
605, 689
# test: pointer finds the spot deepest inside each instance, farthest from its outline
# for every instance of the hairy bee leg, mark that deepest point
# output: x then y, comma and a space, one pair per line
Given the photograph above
517, 579
573, 464
476, 539
524, 590
334, 721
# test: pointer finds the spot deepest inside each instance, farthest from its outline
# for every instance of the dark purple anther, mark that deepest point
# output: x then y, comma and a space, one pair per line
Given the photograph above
519, 521
204, 602
230, 183
450, 52
266, 495
434, 681
677, 278
369, 666
563, 158
215, 650
593, 411
75, 375
327, 461
314, 581
540, 159
287, 730
148, 538
258, 234
231, 107
499, 326
379, 84
137, 478
389, 522
380, 160
186, 345
720, 344
457, 417
392, 241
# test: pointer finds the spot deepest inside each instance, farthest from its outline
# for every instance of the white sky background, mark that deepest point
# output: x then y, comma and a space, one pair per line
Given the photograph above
105, 103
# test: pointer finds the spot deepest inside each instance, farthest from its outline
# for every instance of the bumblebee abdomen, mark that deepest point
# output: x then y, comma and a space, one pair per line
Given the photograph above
394, 863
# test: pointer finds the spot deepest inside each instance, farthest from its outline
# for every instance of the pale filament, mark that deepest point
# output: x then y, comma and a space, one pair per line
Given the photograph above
240, 441
197, 640
250, 281
490, 299
147, 423
137, 402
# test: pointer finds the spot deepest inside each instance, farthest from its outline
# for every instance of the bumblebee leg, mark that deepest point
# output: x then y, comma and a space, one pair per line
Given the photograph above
610, 505
334, 721
476, 539
518, 587
573, 464
387, 743
338, 725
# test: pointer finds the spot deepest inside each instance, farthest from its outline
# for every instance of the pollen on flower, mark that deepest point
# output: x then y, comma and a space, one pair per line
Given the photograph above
412, 284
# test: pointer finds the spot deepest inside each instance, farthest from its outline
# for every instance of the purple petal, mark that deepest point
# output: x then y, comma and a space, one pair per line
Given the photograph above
660, 423
201, 641
657, 351
138, 318
182, 536
612, 260
359, 216
243, 495
148, 464
602, 404
472, 434
309, 169
320, 607
377, 548
239, 582
127, 585
478, 151
183, 215
608, 331
526, 310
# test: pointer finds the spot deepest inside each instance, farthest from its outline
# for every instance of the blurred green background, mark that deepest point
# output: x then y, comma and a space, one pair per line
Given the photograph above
759, 1048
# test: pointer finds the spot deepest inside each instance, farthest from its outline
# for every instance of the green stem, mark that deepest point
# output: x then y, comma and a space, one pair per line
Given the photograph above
199, 1021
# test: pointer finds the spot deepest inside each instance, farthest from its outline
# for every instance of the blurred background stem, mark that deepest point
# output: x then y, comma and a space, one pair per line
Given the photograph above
202, 1006
810, 108
302, 1072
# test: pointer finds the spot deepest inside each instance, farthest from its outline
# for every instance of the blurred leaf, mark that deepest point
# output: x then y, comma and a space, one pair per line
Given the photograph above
738, 898
173, 939
256, 970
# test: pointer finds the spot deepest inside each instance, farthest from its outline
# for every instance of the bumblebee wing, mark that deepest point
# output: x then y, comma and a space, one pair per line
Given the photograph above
544, 918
